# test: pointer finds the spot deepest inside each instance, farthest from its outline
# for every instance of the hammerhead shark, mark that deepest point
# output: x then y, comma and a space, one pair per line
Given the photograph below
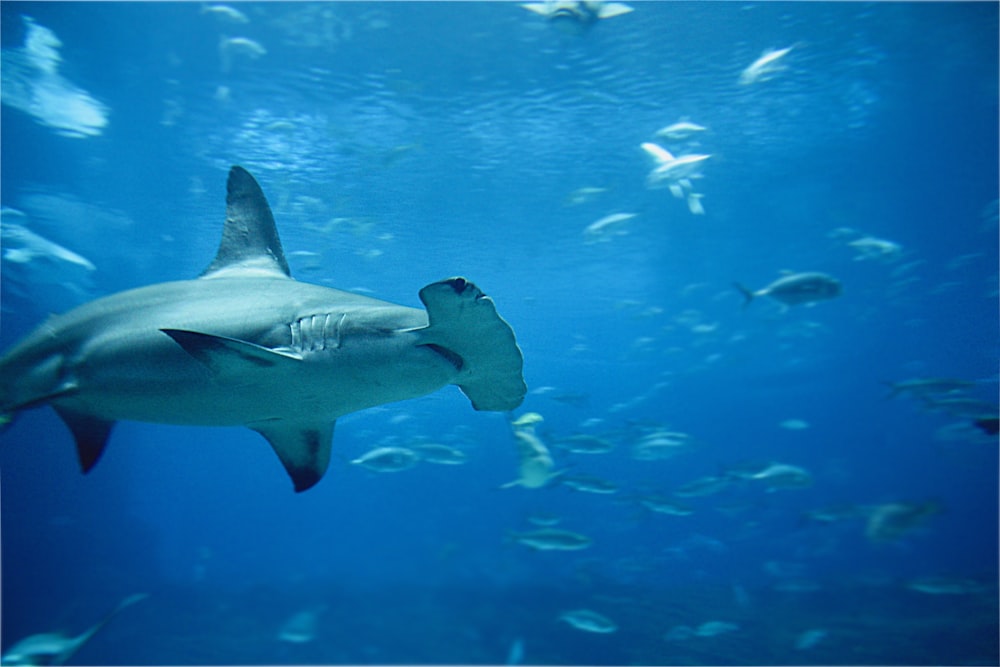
246, 344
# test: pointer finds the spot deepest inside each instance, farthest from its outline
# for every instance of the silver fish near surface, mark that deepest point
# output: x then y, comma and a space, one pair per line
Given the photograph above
576, 15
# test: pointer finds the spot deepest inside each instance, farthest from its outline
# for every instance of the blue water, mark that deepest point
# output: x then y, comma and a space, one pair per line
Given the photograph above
402, 143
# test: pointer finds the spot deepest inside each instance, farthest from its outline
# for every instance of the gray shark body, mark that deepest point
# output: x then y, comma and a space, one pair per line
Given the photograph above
245, 344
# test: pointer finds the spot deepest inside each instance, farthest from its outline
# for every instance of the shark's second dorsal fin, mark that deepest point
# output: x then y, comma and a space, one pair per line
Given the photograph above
250, 243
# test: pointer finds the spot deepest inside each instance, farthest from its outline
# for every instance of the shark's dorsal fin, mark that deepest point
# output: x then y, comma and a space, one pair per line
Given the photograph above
250, 243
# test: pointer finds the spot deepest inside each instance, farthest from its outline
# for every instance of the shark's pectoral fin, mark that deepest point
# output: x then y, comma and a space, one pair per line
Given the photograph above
223, 354
91, 435
464, 322
303, 450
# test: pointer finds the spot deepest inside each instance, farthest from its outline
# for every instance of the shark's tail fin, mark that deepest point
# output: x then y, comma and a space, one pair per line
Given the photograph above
464, 326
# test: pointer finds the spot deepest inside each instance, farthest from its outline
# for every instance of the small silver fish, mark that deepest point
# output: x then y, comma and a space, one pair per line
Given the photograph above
945, 586
589, 484
660, 445
783, 476
663, 506
585, 444
703, 486
680, 130
713, 628
226, 13
440, 454
388, 459
796, 289
589, 621
764, 67
606, 227
681, 167
552, 539
929, 386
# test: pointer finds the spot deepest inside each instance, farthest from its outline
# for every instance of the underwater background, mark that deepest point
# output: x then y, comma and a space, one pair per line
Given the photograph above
401, 143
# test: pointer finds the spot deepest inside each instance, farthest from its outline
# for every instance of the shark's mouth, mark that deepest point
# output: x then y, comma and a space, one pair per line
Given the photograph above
449, 356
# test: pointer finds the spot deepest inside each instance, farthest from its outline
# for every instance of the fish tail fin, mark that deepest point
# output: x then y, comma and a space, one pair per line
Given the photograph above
747, 294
